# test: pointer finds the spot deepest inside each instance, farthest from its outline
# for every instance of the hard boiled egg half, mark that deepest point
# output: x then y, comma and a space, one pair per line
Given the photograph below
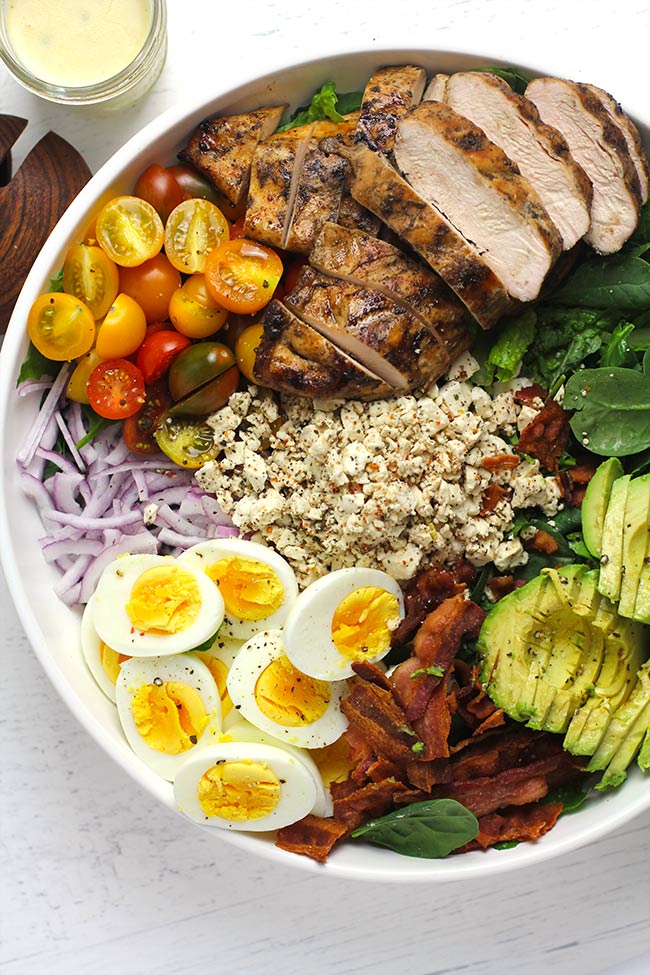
168, 707
244, 785
257, 585
344, 617
151, 605
276, 697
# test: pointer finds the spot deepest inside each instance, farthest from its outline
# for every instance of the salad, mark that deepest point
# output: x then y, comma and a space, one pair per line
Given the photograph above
383, 584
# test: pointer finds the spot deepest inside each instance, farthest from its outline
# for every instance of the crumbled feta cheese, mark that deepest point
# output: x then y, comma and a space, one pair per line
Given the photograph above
149, 513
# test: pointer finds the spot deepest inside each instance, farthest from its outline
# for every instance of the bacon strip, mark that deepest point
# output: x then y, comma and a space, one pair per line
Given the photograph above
546, 437
438, 639
514, 825
375, 714
312, 836
368, 802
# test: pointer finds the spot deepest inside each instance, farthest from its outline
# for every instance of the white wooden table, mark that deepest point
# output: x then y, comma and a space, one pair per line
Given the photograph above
97, 880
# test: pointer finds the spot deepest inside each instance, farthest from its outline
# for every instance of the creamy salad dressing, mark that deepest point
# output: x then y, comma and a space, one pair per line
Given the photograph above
74, 43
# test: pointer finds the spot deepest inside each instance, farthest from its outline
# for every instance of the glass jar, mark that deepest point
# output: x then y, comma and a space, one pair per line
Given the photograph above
64, 29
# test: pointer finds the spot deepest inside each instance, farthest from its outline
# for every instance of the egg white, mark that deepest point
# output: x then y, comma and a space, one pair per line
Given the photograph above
297, 798
223, 649
115, 628
253, 658
308, 630
91, 644
205, 554
184, 669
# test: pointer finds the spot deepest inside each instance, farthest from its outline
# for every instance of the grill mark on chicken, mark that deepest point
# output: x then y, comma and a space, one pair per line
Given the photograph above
223, 148
296, 359
318, 196
540, 151
353, 216
268, 210
599, 146
389, 94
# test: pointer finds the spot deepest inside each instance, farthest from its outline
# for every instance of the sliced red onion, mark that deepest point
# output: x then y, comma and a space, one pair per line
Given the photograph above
65, 487
89, 524
144, 542
34, 386
214, 512
56, 551
167, 536
57, 459
70, 443
33, 438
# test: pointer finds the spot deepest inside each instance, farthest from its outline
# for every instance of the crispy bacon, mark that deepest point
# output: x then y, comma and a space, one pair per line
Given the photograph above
573, 483
427, 591
412, 687
514, 824
312, 836
530, 393
501, 462
546, 437
367, 802
542, 542
381, 722
500, 586
434, 725
492, 496
438, 639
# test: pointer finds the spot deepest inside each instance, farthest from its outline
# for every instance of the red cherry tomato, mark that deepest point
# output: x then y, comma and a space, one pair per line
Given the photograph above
116, 389
158, 351
158, 187
138, 430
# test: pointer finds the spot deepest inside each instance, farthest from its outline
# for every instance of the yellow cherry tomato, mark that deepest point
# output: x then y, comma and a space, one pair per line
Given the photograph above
61, 326
129, 230
193, 229
77, 389
246, 347
123, 329
193, 311
89, 274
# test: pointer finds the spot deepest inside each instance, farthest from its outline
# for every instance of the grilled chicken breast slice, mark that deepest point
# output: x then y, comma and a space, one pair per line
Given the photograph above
353, 216
453, 165
296, 359
389, 94
223, 148
376, 185
268, 210
436, 88
320, 185
631, 135
599, 146
540, 151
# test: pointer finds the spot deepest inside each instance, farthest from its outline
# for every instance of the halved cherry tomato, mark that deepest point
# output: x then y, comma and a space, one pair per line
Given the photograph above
61, 326
194, 229
158, 187
237, 228
193, 310
89, 274
246, 347
188, 442
202, 379
233, 328
210, 397
138, 430
123, 329
196, 187
116, 389
158, 351
242, 275
151, 284
129, 230
77, 388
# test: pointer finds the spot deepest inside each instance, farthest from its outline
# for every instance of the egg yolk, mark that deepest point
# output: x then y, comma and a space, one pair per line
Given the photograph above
165, 599
219, 671
289, 697
111, 660
239, 791
251, 590
334, 761
361, 624
169, 716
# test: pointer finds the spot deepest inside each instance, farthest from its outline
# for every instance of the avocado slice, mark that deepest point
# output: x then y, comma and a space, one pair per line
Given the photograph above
624, 734
611, 559
643, 760
595, 502
636, 529
642, 604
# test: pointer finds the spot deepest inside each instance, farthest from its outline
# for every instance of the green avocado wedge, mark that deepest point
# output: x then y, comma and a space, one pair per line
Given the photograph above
595, 502
636, 529
611, 560
624, 735
642, 604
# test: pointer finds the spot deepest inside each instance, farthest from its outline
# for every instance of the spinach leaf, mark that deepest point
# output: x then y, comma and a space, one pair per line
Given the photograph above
36, 365
517, 81
507, 352
571, 797
612, 407
622, 283
429, 829
56, 281
618, 351
640, 464
325, 104
96, 423
506, 845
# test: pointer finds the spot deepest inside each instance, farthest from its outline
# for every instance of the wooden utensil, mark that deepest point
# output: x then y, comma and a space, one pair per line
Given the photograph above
31, 202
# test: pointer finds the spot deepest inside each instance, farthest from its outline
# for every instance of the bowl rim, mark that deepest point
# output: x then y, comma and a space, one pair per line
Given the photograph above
396, 869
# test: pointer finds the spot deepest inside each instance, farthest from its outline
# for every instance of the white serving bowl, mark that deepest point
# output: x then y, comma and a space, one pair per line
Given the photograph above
54, 630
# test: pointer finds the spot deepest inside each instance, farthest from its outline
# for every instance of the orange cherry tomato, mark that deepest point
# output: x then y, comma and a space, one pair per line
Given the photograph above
61, 326
158, 187
89, 274
246, 347
129, 230
116, 389
193, 311
242, 275
194, 228
123, 329
151, 284
77, 388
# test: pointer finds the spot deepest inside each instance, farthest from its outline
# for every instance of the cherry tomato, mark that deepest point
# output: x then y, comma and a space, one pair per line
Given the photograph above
77, 388
89, 274
138, 430
246, 347
202, 378
233, 328
123, 329
193, 310
194, 229
157, 353
189, 443
237, 228
242, 275
195, 186
158, 187
291, 274
151, 284
129, 230
61, 326
210, 397
116, 389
